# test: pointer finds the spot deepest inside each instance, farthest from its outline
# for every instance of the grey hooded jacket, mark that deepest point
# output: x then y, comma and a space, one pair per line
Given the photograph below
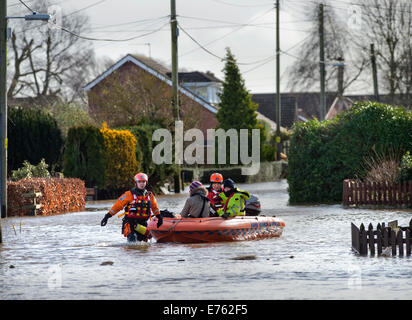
194, 204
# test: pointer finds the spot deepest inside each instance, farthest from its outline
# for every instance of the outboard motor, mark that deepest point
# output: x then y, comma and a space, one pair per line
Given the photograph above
252, 207
167, 214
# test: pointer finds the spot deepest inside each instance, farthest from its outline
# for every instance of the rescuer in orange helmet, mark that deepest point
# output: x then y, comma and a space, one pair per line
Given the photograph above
138, 203
215, 188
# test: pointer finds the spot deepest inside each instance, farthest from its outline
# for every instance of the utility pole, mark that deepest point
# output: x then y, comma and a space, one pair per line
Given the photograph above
3, 96
341, 66
175, 84
374, 73
322, 64
277, 111
3, 106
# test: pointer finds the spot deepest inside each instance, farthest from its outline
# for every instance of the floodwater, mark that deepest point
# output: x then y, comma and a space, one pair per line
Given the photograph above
71, 256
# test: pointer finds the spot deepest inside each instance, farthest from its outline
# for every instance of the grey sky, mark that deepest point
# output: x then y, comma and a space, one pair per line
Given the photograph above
246, 26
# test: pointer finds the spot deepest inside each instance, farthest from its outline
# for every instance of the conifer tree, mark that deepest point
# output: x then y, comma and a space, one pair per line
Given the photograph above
236, 110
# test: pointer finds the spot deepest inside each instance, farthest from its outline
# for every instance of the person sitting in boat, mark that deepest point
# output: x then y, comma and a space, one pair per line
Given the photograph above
215, 188
197, 205
138, 204
234, 200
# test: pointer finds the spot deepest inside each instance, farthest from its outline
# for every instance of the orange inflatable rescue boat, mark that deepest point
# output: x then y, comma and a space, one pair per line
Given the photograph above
213, 229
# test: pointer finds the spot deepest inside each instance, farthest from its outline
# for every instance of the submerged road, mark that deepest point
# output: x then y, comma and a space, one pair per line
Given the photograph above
71, 256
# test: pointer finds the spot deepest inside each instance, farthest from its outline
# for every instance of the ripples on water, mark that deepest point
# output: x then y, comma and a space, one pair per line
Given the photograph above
71, 257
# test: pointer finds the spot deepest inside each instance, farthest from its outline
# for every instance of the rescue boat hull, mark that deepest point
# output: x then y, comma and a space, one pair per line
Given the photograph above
216, 229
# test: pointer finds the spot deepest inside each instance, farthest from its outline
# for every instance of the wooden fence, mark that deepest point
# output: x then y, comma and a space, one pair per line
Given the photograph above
391, 238
32, 196
91, 194
356, 193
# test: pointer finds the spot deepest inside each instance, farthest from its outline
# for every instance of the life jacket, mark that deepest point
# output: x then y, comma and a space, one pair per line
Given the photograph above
216, 201
139, 208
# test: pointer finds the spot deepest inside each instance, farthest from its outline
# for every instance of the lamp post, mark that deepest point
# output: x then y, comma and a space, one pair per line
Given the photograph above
4, 34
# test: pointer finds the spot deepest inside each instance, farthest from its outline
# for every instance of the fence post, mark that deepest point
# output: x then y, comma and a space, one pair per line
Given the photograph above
371, 239
345, 193
379, 238
364, 198
393, 242
408, 242
355, 238
385, 237
399, 240
363, 245
378, 193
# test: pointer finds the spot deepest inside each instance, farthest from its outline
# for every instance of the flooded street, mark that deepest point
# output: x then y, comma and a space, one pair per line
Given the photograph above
71, 256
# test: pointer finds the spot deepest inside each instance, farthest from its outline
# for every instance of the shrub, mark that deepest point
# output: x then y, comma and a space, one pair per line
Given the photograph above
68, 115
323, 154
84, 155
121, 163
31, 171
405, 167
380, 168
158, 173
33, 135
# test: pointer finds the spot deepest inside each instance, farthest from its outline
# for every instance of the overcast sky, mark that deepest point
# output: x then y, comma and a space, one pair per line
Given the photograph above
246, 26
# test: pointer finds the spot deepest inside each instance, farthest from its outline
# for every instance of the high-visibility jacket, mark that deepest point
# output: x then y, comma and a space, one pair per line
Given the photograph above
138, 204
235, 204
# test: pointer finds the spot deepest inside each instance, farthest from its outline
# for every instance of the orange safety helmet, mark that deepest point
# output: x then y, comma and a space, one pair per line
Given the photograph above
141, 176
216, 177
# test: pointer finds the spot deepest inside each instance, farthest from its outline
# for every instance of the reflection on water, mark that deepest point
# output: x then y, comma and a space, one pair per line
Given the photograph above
71, 257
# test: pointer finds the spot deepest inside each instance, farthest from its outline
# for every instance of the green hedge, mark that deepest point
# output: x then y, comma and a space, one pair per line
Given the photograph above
32, 136
83, 156
323, 154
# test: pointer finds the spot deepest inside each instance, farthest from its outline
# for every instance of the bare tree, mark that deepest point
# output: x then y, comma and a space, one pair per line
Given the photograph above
45, 61
130, 95
304, 74
388, 25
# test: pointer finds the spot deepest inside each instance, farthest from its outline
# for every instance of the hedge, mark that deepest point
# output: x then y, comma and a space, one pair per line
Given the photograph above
121, 163
32, 135
59, 195
84, 155
323, 154
158, 173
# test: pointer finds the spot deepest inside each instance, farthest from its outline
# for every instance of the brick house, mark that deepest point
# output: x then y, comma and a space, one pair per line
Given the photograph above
136, 87
302, 106
205, 85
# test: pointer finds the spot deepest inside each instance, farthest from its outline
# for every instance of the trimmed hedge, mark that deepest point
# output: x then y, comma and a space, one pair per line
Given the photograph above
121, 163
58, 195
323, 154
158, 174
32, 135
84, 155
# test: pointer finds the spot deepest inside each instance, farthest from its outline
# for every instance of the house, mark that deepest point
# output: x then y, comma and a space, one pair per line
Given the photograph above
205, 85
136, 87
302, 106
294, 106
339, 104
31, 102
